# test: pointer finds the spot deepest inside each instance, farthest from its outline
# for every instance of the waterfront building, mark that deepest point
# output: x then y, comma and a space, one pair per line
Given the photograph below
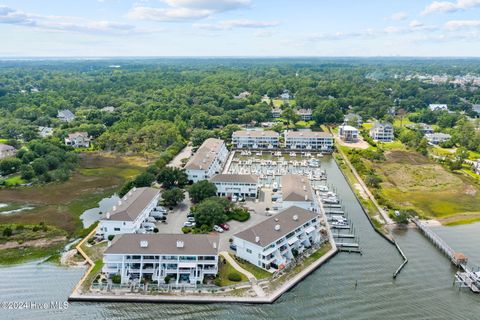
182, 259
255, 139
436, 138
276, 113
78, 140
130, 212
207, 161
274, 243
304, 114
296, 190
308, 140
382, 132
244, 185
348, 133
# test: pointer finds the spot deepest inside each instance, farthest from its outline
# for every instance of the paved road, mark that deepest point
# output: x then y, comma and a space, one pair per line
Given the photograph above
177, 161
176, 218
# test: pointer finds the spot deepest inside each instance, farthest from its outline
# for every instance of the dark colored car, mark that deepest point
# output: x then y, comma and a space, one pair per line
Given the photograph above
224, 226
233, 247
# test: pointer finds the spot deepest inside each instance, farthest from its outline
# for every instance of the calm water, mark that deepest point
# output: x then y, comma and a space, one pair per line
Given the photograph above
90, 216
423, 290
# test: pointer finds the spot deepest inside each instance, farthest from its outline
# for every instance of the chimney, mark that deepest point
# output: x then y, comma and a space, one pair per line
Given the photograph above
134, 188
125, 198
214, 245
108, 215
277, 227
180, 244
119, 202
306, 197
257, 239
114, 208
143, 244
295, 217
304, 188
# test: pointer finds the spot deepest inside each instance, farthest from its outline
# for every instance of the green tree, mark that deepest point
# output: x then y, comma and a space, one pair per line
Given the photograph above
10, 165
172, 177
328, 112
202, 190
173, 196
27, 172
145, 179
40, 166
210, 212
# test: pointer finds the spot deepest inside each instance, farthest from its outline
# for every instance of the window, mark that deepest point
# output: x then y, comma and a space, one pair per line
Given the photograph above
116, 229
249, 251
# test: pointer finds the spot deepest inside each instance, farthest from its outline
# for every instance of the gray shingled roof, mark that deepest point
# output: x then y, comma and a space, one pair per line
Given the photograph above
248, 178
265, 231
132, 204
307, 134
193, 244
256, 133
6, 147
296, 187
203, 158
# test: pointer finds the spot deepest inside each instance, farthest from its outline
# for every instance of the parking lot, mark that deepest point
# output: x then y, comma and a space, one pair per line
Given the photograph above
176, 217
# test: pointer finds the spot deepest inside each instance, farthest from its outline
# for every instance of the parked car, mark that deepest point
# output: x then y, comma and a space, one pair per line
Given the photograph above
233, 247
218, 229
224, 226
191, 219
151, 219
190, 215
157, 215
189, 224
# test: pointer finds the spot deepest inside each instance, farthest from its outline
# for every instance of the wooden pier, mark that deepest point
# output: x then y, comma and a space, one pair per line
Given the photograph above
466, 277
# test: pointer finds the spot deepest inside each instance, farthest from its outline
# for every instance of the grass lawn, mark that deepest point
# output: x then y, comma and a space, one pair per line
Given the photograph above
305, 124
258, 273
367, 125
277, 103
224, 270
14, 181
394, 145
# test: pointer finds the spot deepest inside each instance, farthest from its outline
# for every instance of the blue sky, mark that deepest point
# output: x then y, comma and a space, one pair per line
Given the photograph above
239, 28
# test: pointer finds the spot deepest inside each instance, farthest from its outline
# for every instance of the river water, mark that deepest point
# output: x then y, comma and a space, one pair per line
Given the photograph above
423, 290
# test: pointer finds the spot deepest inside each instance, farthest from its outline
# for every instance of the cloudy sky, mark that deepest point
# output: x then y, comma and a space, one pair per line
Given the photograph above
239, 28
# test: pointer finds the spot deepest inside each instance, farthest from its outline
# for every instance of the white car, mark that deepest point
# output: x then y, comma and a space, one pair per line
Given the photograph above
191, 219
150, 219
156, 215
189, 224
218, 228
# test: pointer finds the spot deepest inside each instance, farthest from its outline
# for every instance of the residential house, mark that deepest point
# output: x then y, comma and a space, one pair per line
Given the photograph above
186, 259
244, 185
353, 119
130, 212
207, 161
304, 114
255, 139
45, 131
7, 151
65, 115
274, 243
476, 109
78, 140
308, 140
285, 95
243, 95
296, 190
382, 132
436, 138
437, 107
348, 133
108, 109
276, 113
425, 128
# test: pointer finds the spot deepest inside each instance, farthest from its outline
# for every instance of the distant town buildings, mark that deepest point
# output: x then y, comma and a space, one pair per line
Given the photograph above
348, 133
382, 132
242, 95
240, 185
436, 138
129, 213
45, 131
78, 140
255, 139
65, 115
285, 95
274, 243
108, 109
183, 259
304, 114
438, 107
308, 140
421, 127
276, 113
7, 151
207, 161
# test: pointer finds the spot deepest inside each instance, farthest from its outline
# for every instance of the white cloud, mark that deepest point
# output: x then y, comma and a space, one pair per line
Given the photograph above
58, 23
416, 24
263, 33
231, 24
184, 10
448, 6
462, 24
398, 16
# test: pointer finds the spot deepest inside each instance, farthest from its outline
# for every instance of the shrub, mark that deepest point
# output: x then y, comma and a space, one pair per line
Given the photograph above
7, 232
186, 230
155, 230
234, 276
110, 237
116, 278
167, 279
239, 214
218, 282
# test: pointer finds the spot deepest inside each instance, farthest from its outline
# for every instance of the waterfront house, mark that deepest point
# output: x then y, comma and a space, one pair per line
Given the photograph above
348, 133
244, 185
382, 132
308, 140
182, 259
65, 115
285, 95
130, 212
353, 119
436, 138
425, 128
7, 151
255, 139
276, 113
207, 161
78, 140
296, 190
45, 131
304, 114
437, 107
274, 243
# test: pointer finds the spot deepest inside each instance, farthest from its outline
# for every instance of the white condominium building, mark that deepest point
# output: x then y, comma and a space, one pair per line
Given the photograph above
255, 139
245, 185
382, 132
184, 259
129, 213
308, 140
207, 161
348, 133
296, 190
275, 242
